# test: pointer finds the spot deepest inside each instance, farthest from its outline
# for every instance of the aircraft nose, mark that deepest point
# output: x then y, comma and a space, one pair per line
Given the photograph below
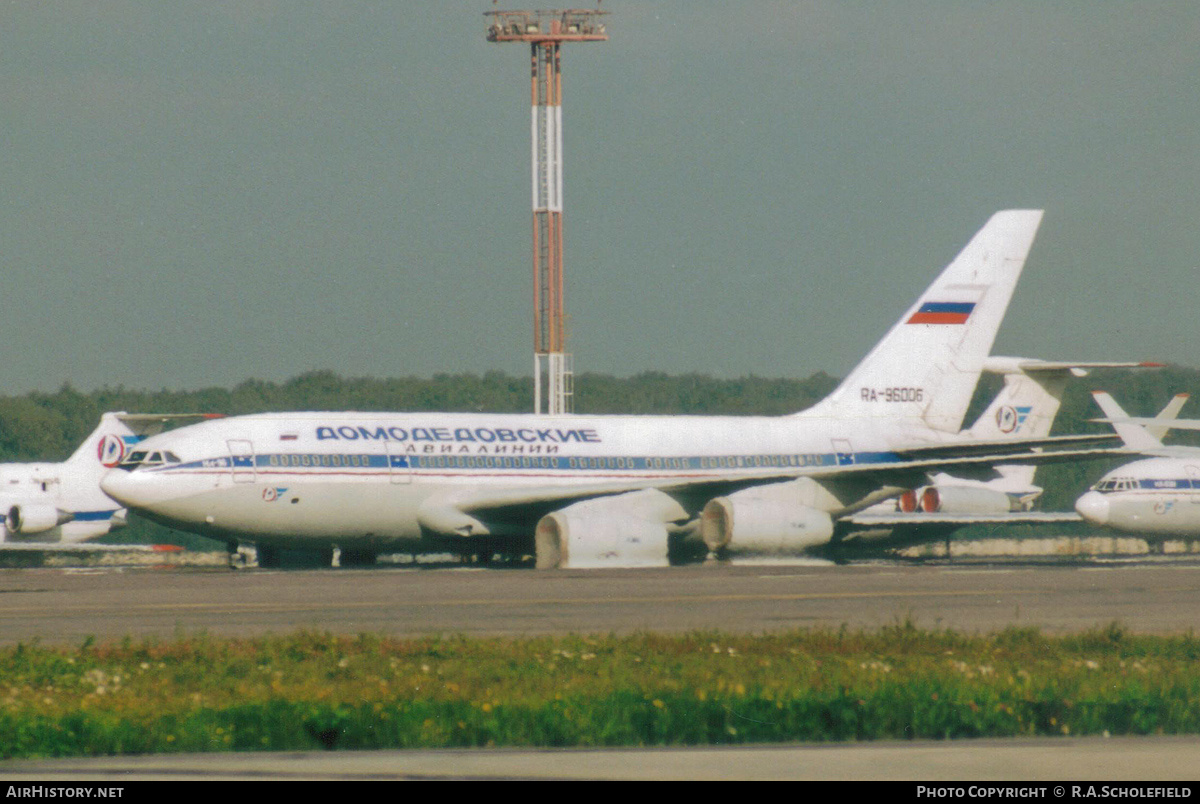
124, 487
1093, 507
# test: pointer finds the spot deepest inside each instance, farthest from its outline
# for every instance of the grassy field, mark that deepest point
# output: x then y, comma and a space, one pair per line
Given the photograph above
311, 690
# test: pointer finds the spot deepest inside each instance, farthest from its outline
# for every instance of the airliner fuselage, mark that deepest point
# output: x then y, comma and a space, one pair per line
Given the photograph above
1156, 496
363, 477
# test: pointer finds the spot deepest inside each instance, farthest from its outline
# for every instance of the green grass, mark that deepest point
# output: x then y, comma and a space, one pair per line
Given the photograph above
313, 690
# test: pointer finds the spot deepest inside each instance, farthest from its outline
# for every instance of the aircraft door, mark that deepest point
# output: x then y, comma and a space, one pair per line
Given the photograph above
399, 465
843, 453
1193, 475
241, 460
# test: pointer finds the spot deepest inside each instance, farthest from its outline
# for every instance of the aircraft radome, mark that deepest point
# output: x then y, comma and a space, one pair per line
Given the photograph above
579, 490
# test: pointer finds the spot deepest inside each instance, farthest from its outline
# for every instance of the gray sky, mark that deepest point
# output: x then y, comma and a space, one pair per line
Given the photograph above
195, 193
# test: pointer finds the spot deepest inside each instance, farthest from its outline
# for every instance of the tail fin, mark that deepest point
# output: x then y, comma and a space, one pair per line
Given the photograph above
115, 437
1032, 393
1027, 404
1142, 433
928, 364
119, 431
1167, 416
106, 446
1024, 408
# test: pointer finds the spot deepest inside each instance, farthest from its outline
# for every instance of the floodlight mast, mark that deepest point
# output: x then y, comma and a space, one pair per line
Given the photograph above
545, 32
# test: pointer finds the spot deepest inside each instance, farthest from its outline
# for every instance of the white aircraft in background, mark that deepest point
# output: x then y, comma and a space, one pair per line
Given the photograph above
1024, 407
1158, 496
62, 502
584, 490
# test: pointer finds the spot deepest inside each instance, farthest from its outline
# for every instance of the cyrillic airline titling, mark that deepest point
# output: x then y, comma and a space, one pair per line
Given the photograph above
529, 435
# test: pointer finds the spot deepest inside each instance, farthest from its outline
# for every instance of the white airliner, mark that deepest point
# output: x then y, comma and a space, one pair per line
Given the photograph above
584, 490
62, 502
1158, 496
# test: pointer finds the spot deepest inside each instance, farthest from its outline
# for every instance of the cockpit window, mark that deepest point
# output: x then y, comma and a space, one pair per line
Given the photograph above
147, 458
1109, 485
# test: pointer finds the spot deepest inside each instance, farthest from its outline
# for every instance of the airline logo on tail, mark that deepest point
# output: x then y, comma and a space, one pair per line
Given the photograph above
1009, 418
111, 450
942, 313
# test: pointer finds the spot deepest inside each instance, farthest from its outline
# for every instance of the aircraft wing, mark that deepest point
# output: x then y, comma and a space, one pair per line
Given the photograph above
481, 499
462, 512
1006, 446
863, 521
950, 463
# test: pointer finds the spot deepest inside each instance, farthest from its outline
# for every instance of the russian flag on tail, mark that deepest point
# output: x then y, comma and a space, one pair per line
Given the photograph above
942, 313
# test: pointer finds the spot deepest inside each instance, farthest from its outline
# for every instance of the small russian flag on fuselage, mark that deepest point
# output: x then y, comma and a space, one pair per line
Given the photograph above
942, 313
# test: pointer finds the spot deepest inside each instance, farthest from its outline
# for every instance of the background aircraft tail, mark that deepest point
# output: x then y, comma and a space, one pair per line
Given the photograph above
1141, 433
118, 432
1027, 404
928, 364
106, 446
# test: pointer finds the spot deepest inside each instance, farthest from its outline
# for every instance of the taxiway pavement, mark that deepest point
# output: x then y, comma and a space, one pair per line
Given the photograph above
68, 606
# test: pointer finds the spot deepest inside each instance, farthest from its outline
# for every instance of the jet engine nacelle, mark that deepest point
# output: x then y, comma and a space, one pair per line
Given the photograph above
625, 530
963, 500
766, 520
26, 520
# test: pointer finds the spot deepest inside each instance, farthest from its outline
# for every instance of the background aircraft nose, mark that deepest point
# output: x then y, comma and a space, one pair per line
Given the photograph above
1093, 507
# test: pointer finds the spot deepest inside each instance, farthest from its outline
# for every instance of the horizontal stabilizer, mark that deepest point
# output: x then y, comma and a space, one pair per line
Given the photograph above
1140, 431
148, 424
1023, 365
1145, 421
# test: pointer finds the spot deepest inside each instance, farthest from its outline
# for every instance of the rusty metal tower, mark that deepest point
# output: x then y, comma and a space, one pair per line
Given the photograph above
545, 32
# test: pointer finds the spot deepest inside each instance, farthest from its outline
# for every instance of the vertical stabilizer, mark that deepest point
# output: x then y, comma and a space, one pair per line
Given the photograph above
106, 445
1166, 416
1136, 434
926, 367
1024, 408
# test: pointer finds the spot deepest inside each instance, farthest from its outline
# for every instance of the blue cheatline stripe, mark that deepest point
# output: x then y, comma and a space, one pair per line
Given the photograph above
1168, 484
93, 516
352, 461
947, 307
